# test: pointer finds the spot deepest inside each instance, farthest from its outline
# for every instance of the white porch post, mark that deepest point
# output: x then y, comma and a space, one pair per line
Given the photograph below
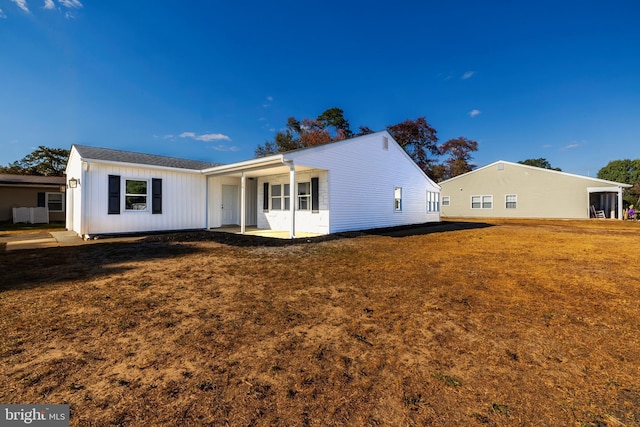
292, 199
620, 203
242, 204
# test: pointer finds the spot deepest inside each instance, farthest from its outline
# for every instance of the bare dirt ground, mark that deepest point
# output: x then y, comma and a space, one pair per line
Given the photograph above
501, 323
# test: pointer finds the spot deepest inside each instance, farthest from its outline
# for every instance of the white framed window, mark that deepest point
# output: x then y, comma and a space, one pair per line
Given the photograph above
511, 201
276, 197
446, 200
136, 192
397, 199
481, 202
433, 201
304, 196
55, 202
280, 197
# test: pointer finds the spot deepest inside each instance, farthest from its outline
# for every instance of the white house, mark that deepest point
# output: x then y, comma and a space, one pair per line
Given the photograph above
359, 183
513, 190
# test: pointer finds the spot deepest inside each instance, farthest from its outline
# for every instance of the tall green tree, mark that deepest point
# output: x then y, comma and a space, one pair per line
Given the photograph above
43, 161
625, 171
539, 163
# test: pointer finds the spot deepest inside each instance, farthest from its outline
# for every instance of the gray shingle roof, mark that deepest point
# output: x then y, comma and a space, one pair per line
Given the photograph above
108, 154
31, 179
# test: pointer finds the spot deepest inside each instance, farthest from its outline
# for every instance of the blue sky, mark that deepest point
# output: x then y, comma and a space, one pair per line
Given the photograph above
210, 80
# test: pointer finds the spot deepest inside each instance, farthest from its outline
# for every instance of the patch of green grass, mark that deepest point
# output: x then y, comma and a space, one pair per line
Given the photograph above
448, 380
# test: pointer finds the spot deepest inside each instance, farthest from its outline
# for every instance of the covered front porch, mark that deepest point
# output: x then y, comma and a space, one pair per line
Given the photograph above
607, 200
242, 198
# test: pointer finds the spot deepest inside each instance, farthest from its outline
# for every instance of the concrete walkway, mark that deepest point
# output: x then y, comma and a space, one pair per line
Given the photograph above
41, 240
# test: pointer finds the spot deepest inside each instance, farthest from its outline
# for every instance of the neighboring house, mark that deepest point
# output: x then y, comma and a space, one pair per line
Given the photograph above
512, 190
360, 183
31, 191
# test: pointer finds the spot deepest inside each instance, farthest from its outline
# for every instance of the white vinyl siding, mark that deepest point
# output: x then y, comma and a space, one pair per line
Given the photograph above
183, 206
362, 177
481, 202
511, 201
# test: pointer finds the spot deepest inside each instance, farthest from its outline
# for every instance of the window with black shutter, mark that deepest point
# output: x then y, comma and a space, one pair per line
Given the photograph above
156, 196
114, 195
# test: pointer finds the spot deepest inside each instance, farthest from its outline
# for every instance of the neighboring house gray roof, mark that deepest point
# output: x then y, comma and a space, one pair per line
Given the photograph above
107, 154
30, 180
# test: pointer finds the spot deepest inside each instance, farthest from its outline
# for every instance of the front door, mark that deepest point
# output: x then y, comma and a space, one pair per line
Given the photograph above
230, 205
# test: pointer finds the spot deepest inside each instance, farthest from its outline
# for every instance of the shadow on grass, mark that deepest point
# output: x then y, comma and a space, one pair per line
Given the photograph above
234, 239
29, 268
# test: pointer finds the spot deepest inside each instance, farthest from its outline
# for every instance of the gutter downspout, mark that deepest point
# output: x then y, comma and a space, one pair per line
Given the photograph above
292, 199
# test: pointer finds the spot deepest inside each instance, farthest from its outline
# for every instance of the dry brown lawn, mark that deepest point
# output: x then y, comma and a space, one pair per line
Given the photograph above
516, 324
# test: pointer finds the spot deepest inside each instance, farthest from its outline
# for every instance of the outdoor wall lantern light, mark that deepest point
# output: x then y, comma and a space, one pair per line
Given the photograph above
73, 183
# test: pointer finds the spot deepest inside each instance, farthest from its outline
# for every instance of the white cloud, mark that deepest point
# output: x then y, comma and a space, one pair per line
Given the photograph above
474, 113
570, 146
222, 147
269, 98
2, 15
206, 137
49, 4
468, 75
22, 4
71, 4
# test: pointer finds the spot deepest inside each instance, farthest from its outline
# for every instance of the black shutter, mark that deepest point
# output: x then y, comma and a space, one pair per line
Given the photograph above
265, 196
41, 200
156, 196
114, 194
315, 197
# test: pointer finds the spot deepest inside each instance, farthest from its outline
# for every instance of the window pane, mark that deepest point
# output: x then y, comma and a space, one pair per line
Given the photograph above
136, 187
136, 203
287, 204
304, 188
487, 202
276, 203
397, 195
475, 202
54, 202
275, 190
303, 203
